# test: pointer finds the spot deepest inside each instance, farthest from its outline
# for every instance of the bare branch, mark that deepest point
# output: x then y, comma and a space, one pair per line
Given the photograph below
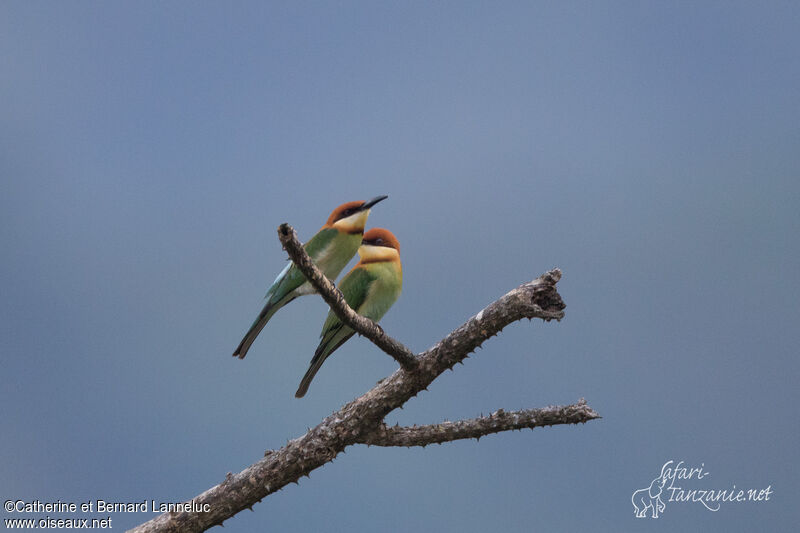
475, 428
333, 296
355, 422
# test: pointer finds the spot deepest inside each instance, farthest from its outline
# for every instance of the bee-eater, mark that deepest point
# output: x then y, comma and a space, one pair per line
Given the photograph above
369, 289
331, 249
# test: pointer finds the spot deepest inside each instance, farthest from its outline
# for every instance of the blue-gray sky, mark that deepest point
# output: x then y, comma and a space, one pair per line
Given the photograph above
149, 150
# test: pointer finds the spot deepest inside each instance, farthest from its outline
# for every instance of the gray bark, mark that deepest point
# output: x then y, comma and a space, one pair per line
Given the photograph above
361, 420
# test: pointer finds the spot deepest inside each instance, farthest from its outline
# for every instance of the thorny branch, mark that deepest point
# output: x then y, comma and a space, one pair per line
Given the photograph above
475, 428
361, 420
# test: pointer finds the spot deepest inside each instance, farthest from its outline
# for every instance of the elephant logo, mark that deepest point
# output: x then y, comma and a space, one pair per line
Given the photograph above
650, 497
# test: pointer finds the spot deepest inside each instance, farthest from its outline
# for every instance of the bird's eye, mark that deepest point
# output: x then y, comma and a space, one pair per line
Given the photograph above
379, 241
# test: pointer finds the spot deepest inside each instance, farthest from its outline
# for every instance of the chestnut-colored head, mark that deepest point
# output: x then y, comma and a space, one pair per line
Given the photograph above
379, 244
380, 237
351, 217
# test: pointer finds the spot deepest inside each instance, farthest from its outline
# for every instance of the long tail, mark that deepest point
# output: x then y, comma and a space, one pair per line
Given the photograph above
316, 363
322, 353
263, 317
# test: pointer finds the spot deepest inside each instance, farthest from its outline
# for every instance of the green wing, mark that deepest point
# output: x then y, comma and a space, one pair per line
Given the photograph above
319, 241
290, 277
355, 288
281, 292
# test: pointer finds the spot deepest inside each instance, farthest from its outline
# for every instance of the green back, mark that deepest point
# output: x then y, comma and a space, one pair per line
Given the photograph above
330, 250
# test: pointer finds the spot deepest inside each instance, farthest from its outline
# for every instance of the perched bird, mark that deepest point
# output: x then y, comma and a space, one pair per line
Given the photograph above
331, 249
369, 289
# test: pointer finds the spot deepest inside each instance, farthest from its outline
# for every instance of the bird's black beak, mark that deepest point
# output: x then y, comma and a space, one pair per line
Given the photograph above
370, 203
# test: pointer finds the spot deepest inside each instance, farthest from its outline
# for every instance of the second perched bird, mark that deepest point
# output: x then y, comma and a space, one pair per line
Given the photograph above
331, 249
369, 289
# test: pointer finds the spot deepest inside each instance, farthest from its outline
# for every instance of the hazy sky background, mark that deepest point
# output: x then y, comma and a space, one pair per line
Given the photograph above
149, 150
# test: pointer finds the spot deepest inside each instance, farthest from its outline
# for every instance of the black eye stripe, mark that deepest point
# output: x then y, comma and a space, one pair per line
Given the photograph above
347, 212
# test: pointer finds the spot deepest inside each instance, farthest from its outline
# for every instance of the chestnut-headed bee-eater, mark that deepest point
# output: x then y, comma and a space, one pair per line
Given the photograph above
369, 289
331, 249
